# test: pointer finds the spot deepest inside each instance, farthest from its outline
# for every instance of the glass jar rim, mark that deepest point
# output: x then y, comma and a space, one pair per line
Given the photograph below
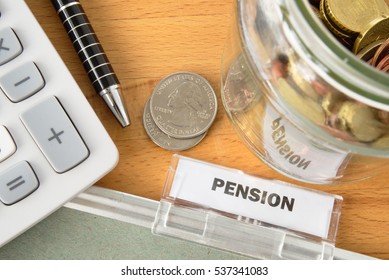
361, 81
331, 59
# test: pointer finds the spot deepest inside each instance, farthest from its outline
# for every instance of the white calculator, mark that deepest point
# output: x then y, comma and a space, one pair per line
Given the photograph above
52, 145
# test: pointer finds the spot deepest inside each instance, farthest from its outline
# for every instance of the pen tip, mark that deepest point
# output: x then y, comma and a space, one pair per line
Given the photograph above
113, 97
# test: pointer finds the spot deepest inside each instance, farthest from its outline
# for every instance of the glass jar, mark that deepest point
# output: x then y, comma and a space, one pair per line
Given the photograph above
302, 102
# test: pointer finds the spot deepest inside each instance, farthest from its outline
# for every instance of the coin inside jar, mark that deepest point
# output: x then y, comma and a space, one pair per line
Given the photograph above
361, 26
375, 30
352, 17
381, 53
361, 121
333, 26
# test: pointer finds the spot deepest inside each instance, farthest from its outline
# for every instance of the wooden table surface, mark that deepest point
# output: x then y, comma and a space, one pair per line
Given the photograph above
148, 40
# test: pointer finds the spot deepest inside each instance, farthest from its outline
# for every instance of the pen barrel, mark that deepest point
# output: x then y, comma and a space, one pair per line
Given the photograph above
86, 43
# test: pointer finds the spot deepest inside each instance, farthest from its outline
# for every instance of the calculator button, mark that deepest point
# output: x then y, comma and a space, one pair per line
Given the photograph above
7, 144
22, 82
55, 135
10, 46
17, 182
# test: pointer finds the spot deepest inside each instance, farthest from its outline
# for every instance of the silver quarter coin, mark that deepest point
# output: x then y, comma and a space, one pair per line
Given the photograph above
163, 140
183, 105
239, 92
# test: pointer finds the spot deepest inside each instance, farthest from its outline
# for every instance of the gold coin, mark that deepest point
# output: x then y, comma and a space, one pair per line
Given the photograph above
332, 25
382, 142
361, 121
353, 16
377, 30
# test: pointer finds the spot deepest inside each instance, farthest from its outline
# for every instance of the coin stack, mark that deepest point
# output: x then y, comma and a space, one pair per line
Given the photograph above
180, 111
362, 26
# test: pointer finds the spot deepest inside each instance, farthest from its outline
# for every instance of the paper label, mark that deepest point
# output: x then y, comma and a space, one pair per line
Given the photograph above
290, 150
267, 201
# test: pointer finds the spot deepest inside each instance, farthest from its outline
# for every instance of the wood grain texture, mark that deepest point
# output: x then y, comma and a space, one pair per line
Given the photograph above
146, 41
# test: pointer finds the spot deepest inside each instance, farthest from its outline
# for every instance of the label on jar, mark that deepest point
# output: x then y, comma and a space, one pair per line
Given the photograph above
291, 151
273, 202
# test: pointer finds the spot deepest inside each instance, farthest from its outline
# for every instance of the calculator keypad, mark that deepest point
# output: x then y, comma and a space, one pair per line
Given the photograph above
47, 123
7, 144
54, 133
22, 82
17, 182
52, 144
10, 46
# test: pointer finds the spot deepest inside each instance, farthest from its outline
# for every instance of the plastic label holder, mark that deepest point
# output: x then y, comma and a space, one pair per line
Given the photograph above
203, 218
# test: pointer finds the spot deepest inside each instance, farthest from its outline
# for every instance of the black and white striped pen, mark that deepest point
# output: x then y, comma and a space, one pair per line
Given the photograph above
92, 56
